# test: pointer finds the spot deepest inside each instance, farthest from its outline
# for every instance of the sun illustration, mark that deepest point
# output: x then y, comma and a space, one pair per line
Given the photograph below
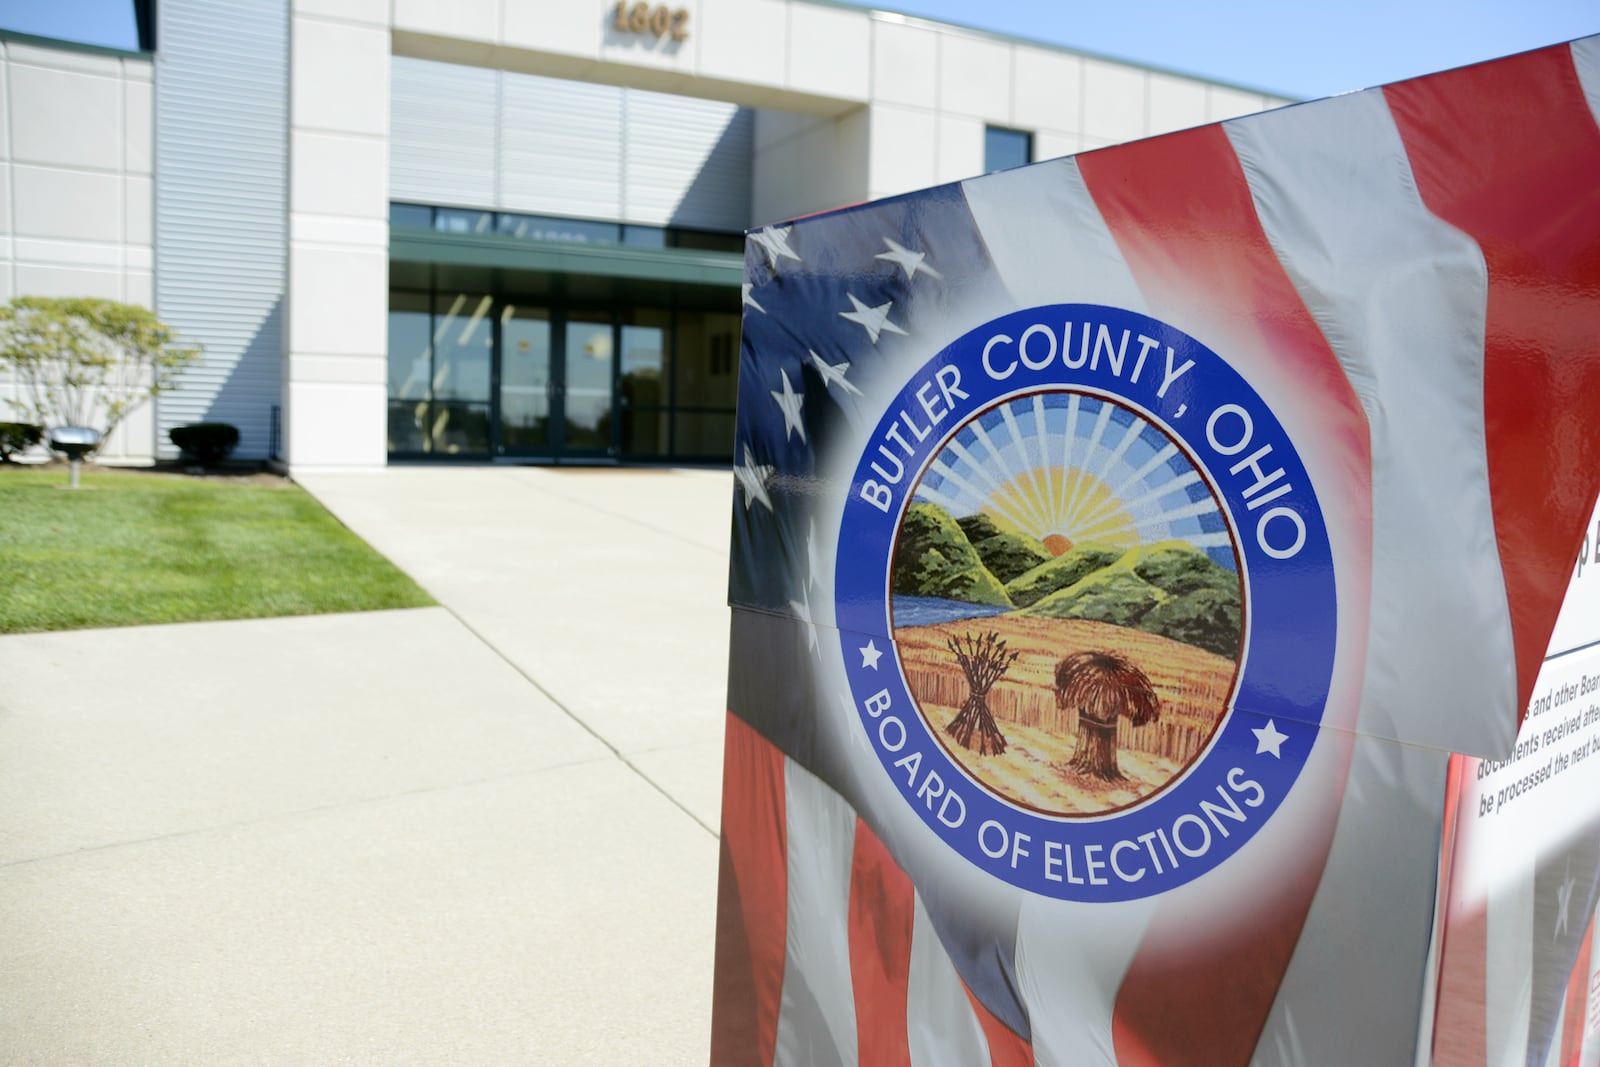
1069, 469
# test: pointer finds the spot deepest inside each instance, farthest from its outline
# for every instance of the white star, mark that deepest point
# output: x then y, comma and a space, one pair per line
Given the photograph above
775, 243
874, 320
833, 373
1268, 739
1564, 901
802, 608
789, 403
753, 480
870, 653
812, 566
909, 261
750, 301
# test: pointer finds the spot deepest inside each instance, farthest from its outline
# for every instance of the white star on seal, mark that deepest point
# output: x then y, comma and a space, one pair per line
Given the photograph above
870, 653
1268, 739
775, 243
753, 480
747, 299
789, 403
833, 373
1564, 901
873, 319
909, 261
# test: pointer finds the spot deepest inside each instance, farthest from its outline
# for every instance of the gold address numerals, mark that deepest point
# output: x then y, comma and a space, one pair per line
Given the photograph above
658, 19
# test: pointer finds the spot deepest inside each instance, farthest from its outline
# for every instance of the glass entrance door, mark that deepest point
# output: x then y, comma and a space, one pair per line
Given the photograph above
555, 382
586, 382
526, 383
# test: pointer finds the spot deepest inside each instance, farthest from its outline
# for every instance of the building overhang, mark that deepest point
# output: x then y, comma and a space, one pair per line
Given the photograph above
684, 266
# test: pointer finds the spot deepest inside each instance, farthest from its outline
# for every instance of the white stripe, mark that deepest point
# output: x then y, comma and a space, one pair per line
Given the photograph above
1071, 960
1508, 972
1586, 57
817, 1014
1400, 296
1056, 250
941, 1028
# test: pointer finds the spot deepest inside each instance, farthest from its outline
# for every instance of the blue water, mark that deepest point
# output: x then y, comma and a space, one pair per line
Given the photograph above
927, 610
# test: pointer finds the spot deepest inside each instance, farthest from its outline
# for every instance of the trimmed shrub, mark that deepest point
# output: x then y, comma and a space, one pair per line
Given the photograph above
208, 442
18, 437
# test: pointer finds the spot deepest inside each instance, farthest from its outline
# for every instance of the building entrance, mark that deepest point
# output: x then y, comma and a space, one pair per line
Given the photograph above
479, 375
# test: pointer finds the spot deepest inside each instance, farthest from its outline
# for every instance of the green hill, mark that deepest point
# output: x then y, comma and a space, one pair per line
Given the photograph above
934, 558
1205, 618
1004, 552
1066, 569
1170, 588
1107, 595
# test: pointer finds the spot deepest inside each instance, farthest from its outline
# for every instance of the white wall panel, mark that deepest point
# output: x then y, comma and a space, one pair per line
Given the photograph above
72, 119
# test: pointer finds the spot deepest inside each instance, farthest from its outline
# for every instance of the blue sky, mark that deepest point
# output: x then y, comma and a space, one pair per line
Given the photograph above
1298, 49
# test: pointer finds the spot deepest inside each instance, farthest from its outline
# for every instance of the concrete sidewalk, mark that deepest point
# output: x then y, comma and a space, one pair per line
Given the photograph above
480, 833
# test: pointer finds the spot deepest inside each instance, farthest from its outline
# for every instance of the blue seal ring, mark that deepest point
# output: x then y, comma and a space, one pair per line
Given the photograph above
1226, 432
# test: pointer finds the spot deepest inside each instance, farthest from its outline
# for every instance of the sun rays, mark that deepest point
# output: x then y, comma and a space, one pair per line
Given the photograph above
1068, 468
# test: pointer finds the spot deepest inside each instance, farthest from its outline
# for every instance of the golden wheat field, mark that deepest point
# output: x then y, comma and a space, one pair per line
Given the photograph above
1193, 686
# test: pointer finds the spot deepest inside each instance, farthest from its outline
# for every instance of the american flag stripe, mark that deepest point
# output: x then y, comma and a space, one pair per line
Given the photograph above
1575, 1006
817, 1018
1070, 961
1006, 1047
1338, 231
1586, 60
1181, 212
1413, 334
1523, 128
942, 1027
1066, 217
1459, 1035
1590, 1054
882, 921
751, 894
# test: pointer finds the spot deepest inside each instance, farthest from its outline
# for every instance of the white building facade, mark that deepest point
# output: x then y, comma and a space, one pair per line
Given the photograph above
498, 229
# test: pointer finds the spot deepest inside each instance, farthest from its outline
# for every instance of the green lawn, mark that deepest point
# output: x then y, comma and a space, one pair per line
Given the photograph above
138, 547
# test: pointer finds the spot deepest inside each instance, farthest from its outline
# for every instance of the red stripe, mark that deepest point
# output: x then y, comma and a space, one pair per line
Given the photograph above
1006, 1047
1459, 1035
882, 913
1181, 213
1577, 1004
752, 897
1508, 152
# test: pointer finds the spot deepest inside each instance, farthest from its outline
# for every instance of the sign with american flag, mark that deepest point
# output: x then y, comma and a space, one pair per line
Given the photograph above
1145, 567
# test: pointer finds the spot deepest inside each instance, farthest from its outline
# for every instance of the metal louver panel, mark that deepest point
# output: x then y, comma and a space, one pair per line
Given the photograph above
470, 137
442, 133
688, 162
221, 225
561, 147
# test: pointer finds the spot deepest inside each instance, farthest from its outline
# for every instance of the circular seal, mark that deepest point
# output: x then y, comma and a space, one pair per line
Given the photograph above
1086, 602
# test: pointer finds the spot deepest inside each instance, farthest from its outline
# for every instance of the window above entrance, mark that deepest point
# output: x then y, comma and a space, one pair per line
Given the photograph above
550, 228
